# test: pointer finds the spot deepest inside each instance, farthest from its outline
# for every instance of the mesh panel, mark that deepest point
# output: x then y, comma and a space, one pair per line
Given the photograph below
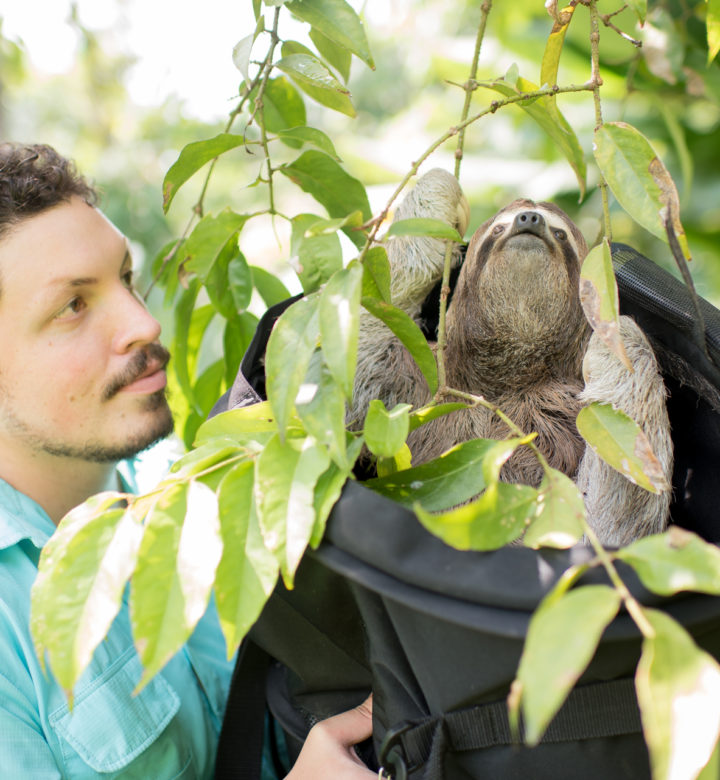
658, 292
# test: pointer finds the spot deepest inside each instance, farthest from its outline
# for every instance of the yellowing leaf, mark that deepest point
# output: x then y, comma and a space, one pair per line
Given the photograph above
561, 640
599, 299
497, 518
560, 514
638, 179
621, 443
713, 29
678, 688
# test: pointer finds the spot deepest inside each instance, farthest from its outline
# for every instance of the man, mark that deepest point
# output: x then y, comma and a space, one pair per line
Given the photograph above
82, 387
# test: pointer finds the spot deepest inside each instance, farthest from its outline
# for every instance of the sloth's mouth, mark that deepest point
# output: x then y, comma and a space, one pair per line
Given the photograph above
529, 233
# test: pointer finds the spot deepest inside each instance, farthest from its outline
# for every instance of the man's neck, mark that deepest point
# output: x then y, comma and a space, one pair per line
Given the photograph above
57, 484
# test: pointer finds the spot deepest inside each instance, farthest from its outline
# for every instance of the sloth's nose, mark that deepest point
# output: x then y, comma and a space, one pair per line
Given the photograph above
529, 222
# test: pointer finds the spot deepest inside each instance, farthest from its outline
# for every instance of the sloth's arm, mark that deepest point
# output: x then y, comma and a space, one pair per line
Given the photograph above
385, 370
416, 262
618, 510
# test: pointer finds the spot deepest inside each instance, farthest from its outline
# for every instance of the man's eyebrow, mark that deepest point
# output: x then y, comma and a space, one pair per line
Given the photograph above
85, 281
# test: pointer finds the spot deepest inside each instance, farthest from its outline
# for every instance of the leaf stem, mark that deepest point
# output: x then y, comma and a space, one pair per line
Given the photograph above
632, 605
453, 131
596, 81
471, 84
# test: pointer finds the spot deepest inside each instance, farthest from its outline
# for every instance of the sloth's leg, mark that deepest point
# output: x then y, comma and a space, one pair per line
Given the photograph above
384, 369
618, 510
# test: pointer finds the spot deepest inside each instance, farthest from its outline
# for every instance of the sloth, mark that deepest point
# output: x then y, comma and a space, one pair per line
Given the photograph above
517, 335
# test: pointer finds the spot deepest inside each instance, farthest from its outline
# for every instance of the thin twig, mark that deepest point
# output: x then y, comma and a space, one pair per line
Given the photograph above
375, 223
471, 83
596, 81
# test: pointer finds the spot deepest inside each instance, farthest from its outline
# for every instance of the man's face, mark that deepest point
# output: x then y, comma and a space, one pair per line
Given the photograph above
81, 369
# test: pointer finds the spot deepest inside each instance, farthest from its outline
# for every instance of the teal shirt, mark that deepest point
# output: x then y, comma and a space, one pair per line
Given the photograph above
167, 732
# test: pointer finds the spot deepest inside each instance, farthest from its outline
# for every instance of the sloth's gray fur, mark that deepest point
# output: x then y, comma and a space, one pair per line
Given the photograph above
516, 335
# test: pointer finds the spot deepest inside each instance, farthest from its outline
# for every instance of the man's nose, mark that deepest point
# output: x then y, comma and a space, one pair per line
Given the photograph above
134, 324
529, 222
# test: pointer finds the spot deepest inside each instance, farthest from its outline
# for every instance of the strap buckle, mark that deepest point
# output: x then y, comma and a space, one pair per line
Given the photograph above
392, 756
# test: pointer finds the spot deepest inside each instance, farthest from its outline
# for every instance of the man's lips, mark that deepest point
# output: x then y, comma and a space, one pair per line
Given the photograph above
151, 380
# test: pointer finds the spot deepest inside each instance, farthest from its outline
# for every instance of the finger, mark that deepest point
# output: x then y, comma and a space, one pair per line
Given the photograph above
352, 726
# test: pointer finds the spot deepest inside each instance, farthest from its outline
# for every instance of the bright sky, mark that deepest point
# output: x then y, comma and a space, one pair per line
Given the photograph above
175, 42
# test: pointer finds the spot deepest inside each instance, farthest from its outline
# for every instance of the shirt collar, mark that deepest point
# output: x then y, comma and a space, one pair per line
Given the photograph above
22, 518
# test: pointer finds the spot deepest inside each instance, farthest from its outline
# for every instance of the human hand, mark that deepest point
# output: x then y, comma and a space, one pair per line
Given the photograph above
328, 750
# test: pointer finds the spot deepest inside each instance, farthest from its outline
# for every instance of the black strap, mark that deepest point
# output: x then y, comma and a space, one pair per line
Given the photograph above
604, 709
239, 755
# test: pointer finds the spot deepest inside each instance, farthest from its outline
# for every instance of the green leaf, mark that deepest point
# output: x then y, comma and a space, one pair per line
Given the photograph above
238, 334
269, 287
713, 29
560, 514
549, 668
339, 317
401, 460
184, 352
317, 258
321, 407
179, 554
431, 412
337, 56
405, 328
376, 274
319, 175
243, 48
447, 481
621, 443
638, 179
497, 518
309, 135
599, 299
546, 113
553, 48
208, 240
675, 561
247, 424
327, 491
209, 454
290, 347
247, 571
336, 20
498, 454
678, 688
192, 158
385, 431
81, 577
422, 226
286, 475
282, 107
229, 281
315, 80
640, 8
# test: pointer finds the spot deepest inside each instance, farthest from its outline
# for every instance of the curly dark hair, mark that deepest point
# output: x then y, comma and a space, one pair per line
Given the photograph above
33, 178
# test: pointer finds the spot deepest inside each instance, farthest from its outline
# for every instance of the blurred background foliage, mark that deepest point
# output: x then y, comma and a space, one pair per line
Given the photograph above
421, 48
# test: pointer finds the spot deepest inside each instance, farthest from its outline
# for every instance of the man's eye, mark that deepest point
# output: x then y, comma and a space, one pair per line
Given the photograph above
75, 306
128, 279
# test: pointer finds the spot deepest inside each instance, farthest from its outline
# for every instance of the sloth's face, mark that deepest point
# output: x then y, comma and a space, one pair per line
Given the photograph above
521, 272
525, 237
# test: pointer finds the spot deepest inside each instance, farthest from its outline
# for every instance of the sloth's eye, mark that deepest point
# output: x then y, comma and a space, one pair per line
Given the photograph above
497, 230
561, 235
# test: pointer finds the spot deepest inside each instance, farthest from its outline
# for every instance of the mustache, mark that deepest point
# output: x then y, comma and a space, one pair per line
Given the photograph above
136, 367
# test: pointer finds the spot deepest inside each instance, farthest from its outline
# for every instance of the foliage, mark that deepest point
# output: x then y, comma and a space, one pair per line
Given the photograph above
238, 511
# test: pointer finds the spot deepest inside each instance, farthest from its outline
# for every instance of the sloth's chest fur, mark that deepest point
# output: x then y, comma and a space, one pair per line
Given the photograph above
549, 410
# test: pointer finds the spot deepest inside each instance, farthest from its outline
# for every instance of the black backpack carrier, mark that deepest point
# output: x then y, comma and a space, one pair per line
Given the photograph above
437, 633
